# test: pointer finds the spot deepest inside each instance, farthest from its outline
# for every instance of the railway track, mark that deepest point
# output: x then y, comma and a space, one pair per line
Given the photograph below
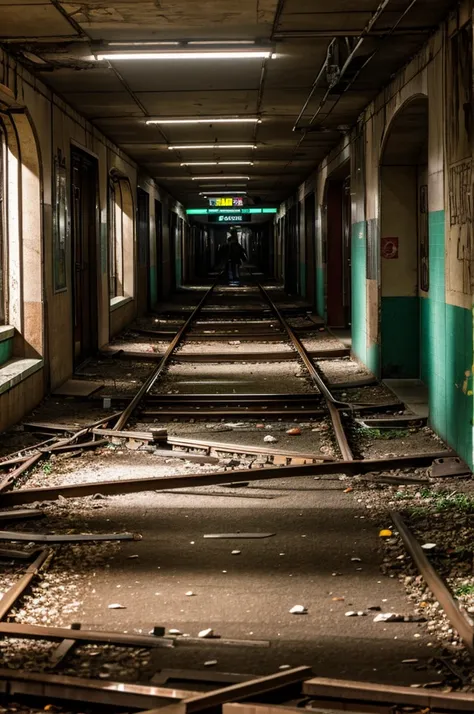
149, 406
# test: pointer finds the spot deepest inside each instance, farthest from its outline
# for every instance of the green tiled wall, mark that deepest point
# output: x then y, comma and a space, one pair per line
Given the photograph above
359, 312
400, 338
6, 350
320, 301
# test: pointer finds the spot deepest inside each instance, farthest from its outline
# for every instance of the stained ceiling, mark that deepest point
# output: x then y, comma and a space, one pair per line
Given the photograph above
60, 40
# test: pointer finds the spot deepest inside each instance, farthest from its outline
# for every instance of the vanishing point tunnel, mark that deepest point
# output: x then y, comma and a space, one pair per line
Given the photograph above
236, 356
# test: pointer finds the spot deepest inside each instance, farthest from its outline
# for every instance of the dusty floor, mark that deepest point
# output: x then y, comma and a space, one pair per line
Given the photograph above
323, 551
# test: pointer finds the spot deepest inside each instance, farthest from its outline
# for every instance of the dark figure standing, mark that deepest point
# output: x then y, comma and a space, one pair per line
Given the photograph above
232, 254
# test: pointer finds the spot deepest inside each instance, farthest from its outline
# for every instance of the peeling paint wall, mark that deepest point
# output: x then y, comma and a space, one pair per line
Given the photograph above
43, 317
443, 73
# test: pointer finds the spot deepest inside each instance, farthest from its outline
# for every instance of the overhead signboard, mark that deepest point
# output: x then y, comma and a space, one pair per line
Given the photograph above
227, 201
237, 211
229, 218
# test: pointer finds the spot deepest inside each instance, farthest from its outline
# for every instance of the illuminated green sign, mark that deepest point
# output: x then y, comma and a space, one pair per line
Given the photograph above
237, 211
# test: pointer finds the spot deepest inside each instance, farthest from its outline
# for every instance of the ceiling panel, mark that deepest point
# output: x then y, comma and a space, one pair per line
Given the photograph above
193, 103
32, 21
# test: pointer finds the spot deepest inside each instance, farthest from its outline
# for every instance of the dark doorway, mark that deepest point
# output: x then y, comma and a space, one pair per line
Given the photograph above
84, 201
338, 249
310, 230
291, 250
143, 236
173, 227
404, 313
157, 279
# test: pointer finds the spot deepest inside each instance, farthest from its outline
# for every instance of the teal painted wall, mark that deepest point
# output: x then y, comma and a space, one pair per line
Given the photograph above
320, 291
447, 353
359, 299
6, 350
400, 337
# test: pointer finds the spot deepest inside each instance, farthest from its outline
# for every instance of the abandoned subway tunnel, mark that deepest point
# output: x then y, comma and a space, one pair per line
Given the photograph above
236, 356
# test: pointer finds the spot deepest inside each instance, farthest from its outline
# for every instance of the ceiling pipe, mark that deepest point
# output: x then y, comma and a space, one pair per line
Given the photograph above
369, 59
381, 7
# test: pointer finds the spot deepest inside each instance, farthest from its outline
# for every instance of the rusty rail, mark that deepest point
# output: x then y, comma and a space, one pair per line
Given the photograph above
148, 383
164, 483
332, 403
458, 619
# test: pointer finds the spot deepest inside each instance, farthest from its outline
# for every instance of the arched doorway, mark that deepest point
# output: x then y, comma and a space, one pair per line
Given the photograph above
404, 246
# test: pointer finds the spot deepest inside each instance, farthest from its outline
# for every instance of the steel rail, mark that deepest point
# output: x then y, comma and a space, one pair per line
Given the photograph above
16, 591
460, 621
162, 483
342, 441
148, 383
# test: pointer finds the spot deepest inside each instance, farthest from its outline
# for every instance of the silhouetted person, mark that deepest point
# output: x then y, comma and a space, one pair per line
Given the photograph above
232, 254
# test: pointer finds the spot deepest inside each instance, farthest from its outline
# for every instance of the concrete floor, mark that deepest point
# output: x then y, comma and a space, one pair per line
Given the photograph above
318, 529
413, 392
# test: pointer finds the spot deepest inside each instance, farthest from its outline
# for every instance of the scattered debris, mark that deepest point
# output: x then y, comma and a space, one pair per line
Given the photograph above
429, 546
207, 633
210, 663
190, 593
236, 552
354, 613
385, 533
296, 431
269, 439
117, 606
298, 610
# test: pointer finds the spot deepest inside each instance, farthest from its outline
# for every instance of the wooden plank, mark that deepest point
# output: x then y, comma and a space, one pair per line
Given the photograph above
64, 649
78, 387
57, 634
244, 449
79, 538
250, 536
346, 690
119, 694
21, 514
235, 692
154, 435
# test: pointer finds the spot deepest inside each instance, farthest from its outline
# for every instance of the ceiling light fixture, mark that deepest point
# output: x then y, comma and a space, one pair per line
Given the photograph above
218, 120
222, 42
222, 193
179, 55
218, 178
180, 147
218, 163
143, 44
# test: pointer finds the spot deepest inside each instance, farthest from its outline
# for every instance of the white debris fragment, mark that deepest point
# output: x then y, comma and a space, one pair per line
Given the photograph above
387, 617
269, 439
285, 666
174, 631
353, 613
356, 560
298, 610
429, 546
208, 632
210, 663
117, 606
190, 593
236, 552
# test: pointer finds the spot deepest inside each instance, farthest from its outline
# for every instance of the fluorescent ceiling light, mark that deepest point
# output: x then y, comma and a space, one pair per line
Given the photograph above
218, 120
202, 55
143, 44
180, 147
222, 42
218, 178
222, 193
218, 163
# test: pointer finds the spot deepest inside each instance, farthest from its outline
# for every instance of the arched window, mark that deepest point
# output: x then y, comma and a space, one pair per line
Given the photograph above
3, 252
121, 237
